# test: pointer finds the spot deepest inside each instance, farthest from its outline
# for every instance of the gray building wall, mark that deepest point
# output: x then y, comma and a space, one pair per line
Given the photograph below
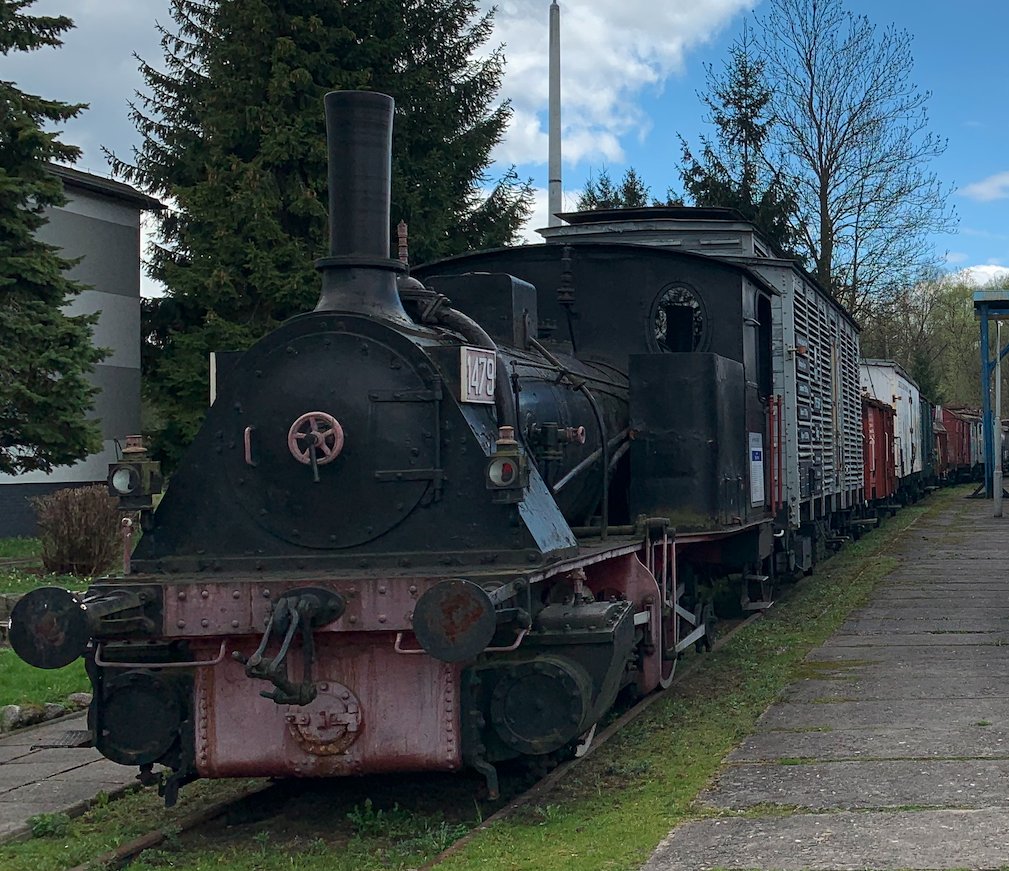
101, 224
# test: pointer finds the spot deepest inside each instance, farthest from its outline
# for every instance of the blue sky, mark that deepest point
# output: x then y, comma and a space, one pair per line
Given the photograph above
631, 72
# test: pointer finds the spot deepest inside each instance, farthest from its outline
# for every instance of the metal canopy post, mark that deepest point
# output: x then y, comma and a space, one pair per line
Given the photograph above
997, 428
990, 305
986, 421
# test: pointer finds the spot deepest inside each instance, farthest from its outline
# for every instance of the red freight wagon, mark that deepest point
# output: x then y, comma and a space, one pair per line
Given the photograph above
880, 472
958, 447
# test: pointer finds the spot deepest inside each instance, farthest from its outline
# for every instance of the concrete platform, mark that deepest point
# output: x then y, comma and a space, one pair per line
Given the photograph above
894, 752
52, 781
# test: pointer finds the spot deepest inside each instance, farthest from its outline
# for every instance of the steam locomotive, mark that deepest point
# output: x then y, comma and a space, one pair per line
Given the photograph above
444, 519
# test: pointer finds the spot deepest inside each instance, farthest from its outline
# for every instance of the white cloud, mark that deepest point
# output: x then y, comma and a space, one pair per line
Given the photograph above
981, 275
611, 51
995, 187
955, 257
540, 215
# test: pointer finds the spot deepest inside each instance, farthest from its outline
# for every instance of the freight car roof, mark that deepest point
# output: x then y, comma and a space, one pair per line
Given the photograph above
877, 403
893, 364
685, 219
731, 265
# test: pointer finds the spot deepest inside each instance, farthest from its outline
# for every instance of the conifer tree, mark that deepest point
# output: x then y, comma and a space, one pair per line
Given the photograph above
602, 192
44, 354
734, 170
234, 134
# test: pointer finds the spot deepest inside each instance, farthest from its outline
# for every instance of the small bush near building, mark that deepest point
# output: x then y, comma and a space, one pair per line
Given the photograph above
80, 530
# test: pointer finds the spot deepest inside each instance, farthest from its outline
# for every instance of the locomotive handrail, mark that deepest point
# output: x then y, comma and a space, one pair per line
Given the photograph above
588, 461
106, 664
409, 651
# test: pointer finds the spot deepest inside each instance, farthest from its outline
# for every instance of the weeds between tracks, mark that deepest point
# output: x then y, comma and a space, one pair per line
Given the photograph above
608, 813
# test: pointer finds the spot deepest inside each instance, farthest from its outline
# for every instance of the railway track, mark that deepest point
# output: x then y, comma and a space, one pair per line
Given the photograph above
258, 795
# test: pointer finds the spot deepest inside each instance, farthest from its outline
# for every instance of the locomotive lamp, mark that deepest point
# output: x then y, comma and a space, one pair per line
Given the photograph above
135, 479
507, 473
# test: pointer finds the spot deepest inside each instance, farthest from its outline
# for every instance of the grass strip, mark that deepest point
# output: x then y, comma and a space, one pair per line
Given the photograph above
18, 548
22, 579
22, 684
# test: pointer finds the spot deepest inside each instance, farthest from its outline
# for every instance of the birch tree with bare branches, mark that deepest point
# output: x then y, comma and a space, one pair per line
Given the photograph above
852, 129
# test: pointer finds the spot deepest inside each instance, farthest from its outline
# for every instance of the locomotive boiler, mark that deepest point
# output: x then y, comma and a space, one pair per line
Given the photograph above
422, 528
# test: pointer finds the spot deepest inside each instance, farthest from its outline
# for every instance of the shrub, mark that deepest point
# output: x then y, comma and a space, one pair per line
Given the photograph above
80, 530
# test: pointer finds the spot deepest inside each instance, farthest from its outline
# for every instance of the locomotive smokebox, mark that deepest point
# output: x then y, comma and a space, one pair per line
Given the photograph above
359, 276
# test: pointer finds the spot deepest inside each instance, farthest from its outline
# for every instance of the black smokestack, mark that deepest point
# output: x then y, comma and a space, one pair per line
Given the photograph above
359, 275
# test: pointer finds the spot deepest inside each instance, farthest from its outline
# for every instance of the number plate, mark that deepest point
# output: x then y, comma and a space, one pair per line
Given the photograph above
477, 375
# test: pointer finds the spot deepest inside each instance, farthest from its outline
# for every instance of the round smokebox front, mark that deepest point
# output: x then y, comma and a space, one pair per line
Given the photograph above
337, 424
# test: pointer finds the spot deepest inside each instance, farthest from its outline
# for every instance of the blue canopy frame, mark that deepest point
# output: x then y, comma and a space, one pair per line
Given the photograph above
989, 305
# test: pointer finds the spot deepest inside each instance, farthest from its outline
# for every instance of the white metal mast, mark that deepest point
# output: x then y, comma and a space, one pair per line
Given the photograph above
554, 200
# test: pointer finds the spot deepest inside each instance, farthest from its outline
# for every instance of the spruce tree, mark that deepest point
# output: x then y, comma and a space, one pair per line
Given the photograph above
234, 135
44, 355
734, 170
602, 192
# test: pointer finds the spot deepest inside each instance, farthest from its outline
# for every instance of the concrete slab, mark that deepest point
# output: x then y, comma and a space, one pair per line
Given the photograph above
978, 742
57, 793
61, 780
101, 771
942, 714
14, 816
934, 626
905, 708
901, 639
892, 655
15, 774
973, 783
903, 684
44, 731
991, 608
943, 839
